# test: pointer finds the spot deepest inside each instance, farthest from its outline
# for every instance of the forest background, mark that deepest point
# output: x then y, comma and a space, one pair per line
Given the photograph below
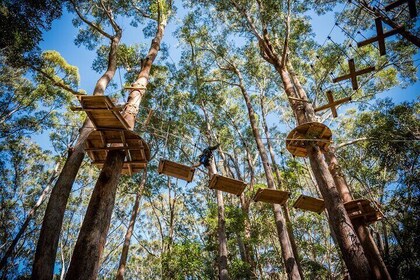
176, 228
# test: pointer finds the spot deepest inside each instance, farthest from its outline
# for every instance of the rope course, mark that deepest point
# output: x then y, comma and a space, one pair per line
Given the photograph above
353, 73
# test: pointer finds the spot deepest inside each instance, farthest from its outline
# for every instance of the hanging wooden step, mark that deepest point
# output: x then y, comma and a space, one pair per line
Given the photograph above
354, 74
102, 112
177, 170
363, 209
411, 6
99, 142
308, 203
226, 184
299, 137
332, 103
271, 196
380, 37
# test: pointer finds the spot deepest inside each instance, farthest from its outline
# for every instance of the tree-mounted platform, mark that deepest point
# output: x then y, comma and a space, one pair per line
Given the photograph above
363, 209
176, 170
308, 203
102, 112
99, 142
298, 138
353, 74
226, 184
271, 196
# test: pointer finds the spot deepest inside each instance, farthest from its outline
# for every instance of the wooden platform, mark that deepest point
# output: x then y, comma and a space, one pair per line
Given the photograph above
102, 112
271, 196
137, 151
308, 203
226, 184
363, 209
176, 170
299, 137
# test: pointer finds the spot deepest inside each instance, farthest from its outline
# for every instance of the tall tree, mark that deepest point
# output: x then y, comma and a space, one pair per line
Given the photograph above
92, 236
43, 266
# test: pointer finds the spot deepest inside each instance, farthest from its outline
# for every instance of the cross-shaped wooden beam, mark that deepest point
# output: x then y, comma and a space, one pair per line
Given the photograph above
353, 74
411, 6
380, 36
332, 103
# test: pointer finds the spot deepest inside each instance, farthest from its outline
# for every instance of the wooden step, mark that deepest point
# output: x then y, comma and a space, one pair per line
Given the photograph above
176, 170
225, 184
271, 196
308, 203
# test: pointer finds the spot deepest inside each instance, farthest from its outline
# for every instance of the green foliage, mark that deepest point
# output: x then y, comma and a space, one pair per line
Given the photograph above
22, 24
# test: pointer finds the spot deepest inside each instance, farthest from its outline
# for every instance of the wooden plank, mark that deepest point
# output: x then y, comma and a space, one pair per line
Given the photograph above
380, 37
331, 101
102, 108
299, 99
335, 103
353, 74
309, 203
81, 109
411, 6
176, 170
271, 196
112, 148
125, 162
226, 184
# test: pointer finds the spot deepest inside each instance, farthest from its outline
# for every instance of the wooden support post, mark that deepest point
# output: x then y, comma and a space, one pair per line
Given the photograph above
411, 6
353, 74
380, 38
332, 104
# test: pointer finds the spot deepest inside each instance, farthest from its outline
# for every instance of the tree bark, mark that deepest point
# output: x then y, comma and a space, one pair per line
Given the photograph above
245, 248
287, 251
25, 224
221, 228
369, 246
221, 222
130, 228
351, 248
84, 263
279, 184
352, 251
46, 250
92, 236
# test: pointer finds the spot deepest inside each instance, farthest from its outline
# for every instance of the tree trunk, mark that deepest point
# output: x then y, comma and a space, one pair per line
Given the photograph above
221, 222
279, 184
245, 249
221, 228
130, 228
369, 246
92, 236
90, 243
351, 249
25, 224
281, 225
46, 250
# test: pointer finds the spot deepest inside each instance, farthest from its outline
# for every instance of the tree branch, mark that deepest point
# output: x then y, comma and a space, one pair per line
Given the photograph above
88, 22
